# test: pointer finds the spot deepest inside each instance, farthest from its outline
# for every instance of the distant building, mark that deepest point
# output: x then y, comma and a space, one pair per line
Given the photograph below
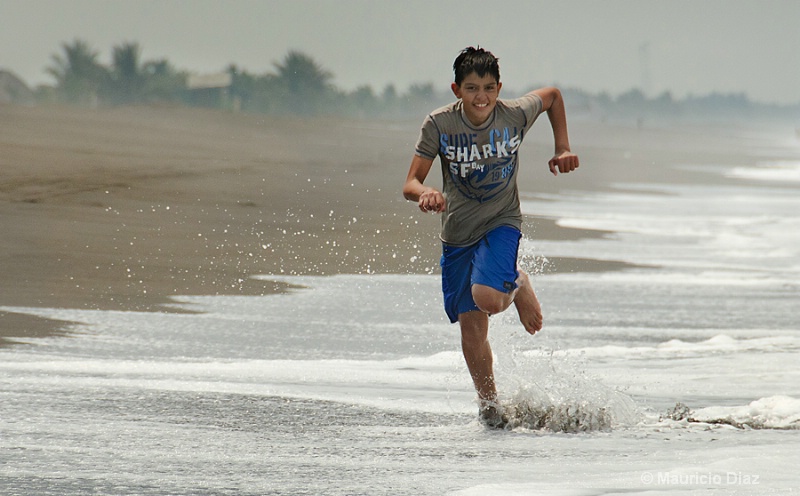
210, 90
14, 90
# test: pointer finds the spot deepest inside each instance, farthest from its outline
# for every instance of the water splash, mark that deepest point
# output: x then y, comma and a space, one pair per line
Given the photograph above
563, 399
531, 413
542, 390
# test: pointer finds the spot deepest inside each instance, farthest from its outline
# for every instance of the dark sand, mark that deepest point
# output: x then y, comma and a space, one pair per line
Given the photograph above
123, 208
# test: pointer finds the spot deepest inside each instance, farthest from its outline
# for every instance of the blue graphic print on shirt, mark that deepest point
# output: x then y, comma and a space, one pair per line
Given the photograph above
481, 170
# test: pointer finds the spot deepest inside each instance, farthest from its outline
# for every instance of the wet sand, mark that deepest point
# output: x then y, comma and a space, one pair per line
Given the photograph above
123, 208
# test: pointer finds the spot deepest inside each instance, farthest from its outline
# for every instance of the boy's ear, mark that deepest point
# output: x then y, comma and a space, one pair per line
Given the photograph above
456, 90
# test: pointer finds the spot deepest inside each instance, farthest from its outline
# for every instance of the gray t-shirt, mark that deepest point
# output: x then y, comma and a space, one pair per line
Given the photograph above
479, 165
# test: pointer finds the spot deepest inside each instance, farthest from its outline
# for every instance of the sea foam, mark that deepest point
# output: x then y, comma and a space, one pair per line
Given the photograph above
773, 412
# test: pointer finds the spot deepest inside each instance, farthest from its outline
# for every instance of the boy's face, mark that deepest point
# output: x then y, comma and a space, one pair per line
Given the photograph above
479, 96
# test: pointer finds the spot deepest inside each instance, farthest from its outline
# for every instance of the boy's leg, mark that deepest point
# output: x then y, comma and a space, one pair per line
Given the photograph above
524, 298
497, 280
478, 353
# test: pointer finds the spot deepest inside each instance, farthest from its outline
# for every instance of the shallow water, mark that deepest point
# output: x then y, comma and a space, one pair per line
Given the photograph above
677, 378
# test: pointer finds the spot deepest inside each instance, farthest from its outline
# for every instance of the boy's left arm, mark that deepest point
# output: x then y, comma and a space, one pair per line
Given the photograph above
563, 160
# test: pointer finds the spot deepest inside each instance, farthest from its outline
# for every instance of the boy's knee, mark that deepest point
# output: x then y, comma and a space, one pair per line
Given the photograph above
490, 300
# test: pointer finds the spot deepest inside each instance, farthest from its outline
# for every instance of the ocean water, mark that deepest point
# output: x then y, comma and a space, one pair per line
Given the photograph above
678, 377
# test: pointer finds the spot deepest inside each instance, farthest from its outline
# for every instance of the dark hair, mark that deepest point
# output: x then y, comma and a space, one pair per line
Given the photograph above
477, 60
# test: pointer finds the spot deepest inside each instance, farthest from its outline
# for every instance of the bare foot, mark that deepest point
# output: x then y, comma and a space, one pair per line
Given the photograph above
528, 307
492, 416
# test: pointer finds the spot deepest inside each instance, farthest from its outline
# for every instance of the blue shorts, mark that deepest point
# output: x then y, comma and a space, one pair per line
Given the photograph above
492, 261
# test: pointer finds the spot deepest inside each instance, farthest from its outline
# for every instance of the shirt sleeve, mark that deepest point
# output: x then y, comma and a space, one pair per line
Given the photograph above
531, 106
428, 142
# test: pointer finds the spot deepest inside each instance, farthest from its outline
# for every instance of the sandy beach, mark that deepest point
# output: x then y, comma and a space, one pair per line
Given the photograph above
122, 208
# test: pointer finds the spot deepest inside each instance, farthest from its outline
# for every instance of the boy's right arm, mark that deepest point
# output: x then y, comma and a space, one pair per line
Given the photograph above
428, 199
553, 103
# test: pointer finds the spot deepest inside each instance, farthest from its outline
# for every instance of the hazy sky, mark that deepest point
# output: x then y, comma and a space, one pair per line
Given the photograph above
683, 46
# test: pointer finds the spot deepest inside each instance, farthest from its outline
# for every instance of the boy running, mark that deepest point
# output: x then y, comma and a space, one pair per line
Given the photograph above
477, 139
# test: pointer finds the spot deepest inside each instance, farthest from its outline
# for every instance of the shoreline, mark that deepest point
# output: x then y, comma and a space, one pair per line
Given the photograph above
122, 208
20, 328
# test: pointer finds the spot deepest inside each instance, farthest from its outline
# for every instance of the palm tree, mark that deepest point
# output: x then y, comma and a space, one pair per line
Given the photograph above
308, 85
127, 79
79, 77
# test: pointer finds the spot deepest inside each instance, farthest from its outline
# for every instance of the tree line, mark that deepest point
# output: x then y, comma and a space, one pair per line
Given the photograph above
299, 85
